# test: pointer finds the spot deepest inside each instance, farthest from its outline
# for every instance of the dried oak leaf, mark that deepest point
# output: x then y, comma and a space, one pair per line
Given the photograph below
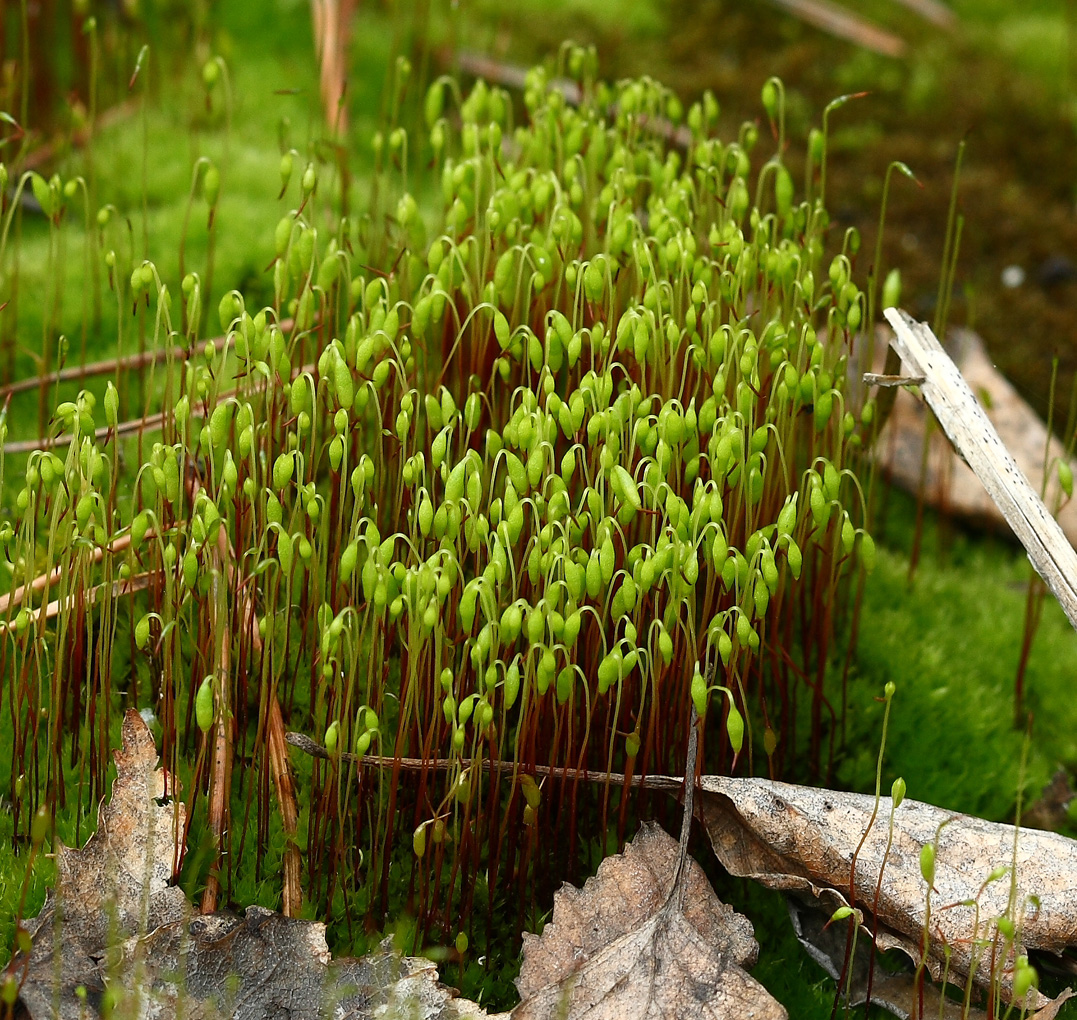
115, 925
800, 839
115, 886
644, 938
265, 965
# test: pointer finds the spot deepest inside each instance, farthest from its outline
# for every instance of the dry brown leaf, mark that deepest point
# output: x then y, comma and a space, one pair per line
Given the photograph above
114, 927
828, 945
110, 888
621, 948
802, 840
268, 965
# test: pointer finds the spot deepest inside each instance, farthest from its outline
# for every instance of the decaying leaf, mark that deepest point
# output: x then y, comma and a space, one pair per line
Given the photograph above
115, 929
899, 992
115, 886
802, 840
622, 947
263, 964
645, 938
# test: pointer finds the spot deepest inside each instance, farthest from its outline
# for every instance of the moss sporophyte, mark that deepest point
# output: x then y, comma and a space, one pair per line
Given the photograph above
517, 478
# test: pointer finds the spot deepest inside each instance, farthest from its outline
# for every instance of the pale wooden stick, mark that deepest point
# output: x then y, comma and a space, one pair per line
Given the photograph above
308, 746
975, 439
136, 582
94, 368
842, 23
147, 422
43, 581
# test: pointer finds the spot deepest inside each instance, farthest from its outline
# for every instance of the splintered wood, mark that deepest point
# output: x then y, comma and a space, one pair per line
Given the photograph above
975, 439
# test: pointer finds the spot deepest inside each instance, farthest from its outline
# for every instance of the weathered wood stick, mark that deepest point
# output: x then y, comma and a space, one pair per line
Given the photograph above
975, 439
840, 22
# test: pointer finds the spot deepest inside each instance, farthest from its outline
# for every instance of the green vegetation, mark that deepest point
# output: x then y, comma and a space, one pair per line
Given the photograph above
522, 428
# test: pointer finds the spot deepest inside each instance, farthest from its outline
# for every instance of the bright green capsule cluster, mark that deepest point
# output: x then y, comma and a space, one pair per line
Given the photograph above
578, 441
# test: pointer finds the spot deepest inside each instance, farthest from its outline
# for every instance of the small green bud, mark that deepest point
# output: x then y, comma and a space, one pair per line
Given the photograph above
770, 98
332, 734
190, 568
734, 726
625, 487
892, 289
1065, 477
112, 409
220, 421
40, 826
867, 551
203, 705
139, 526
282, 470
665, 646
348, 560
142, 631
700, 693
897, 792
285, 553
1024, 978
927, 864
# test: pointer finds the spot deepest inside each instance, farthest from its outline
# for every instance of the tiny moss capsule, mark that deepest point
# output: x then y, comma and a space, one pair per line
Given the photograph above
203, 705
927, 870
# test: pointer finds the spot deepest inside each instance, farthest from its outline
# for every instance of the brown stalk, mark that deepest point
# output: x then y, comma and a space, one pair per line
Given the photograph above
292, 894
220, 775
332, 30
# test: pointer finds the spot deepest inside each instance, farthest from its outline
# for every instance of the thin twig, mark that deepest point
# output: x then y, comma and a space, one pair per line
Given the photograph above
134, 425
845, 25
308, 746
126, 586
95, 368
47, 580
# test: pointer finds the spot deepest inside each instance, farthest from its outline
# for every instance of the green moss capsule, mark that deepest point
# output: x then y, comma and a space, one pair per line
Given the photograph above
700, 693
927, 864
203, 705
142, 631
734, 727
